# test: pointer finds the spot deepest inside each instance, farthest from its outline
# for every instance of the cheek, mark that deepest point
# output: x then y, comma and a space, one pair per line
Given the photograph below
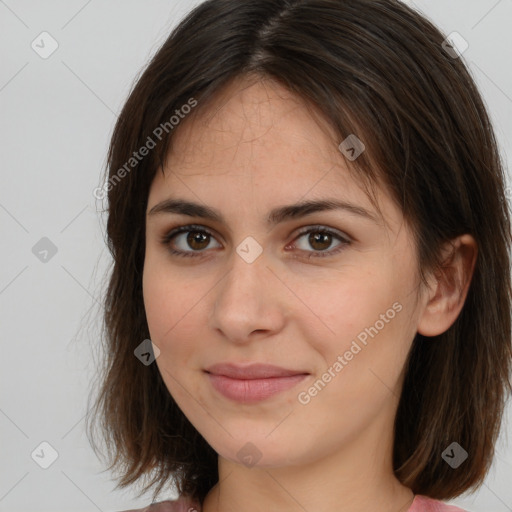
365, 321
172, 304
157, 303
167, 320
341, 309
164, 302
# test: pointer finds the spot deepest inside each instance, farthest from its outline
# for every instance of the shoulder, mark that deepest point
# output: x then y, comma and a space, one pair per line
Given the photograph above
425, 504
179, 505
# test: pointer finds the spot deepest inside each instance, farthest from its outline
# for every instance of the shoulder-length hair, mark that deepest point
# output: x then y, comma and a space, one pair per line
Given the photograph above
375, 68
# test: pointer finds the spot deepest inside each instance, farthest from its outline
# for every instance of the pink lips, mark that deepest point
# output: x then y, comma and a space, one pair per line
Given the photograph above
252, 383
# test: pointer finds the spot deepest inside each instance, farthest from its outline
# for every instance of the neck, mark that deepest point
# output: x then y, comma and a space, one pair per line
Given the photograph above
344, 480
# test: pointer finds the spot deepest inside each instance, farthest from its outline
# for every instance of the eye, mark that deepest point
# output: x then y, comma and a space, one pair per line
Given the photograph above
191, 241
197, 239
321, 238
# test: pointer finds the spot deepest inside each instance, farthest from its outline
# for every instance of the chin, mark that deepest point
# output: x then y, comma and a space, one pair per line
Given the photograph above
259, 450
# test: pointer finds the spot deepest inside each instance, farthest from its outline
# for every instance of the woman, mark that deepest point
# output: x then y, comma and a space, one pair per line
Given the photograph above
310, 301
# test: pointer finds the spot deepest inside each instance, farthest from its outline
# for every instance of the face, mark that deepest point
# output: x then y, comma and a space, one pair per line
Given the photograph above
328, 294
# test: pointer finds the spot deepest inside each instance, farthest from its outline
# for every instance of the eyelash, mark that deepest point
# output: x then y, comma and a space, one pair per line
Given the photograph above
166, 239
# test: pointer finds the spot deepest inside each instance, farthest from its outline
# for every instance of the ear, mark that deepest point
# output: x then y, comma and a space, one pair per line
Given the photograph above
448, 288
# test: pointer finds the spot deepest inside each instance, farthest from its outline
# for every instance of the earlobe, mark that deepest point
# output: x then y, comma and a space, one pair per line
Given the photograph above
449, 286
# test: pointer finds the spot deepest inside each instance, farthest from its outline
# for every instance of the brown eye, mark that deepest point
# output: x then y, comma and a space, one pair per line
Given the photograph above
320, 241
198, 240
188, 241
192, 241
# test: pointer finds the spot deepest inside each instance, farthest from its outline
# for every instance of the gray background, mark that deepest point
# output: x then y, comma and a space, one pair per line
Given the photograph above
57, 115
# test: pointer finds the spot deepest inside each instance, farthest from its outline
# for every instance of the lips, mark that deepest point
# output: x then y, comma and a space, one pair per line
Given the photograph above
252, 371
252, 383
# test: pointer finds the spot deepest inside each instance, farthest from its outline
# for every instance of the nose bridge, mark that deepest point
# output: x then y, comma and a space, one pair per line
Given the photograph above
244, 280
244, 301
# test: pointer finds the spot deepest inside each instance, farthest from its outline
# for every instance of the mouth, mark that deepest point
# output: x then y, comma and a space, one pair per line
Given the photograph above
252, 371
252, 383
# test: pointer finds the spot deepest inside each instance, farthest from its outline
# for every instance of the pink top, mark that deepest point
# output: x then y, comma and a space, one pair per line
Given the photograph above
420, 504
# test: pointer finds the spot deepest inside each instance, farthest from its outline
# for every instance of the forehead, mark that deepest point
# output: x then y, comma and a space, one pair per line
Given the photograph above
252, 116
257, 137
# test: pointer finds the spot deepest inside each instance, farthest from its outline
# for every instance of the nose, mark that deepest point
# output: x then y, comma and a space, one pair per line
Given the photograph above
248, 301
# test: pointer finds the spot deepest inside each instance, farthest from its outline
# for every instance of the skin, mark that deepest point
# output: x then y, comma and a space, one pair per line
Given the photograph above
255, 148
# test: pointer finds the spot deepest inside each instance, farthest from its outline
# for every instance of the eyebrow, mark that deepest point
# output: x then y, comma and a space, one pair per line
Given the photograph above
276, 215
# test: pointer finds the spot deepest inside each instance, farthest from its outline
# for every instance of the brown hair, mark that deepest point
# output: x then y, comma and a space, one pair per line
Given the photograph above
375, 68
